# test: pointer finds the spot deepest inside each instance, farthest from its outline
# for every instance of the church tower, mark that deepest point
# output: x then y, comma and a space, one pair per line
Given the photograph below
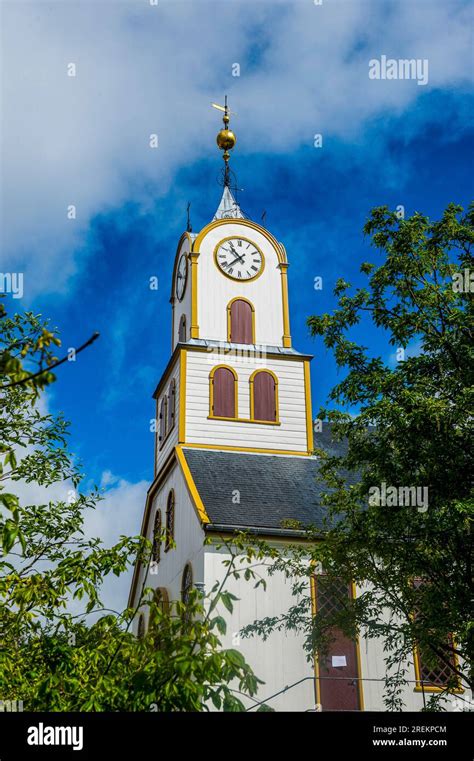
236, 383
234, 452
234, 428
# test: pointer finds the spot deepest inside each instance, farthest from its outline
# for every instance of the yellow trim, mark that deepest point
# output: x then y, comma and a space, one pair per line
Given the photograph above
432, 688
314, 610
172, 294
245, 223
247, 449
217, 535
281, 256
358, 660
252, 400
211, 392
158, 519
416, 663
229, 320
231, 277
286, 338
165, 469
191, 486
182, 396
169, 538
317, 686
309, 413
166, 399
243, 420
161, 597
185, 257
164, 378
164, 417
194, 330
176, 257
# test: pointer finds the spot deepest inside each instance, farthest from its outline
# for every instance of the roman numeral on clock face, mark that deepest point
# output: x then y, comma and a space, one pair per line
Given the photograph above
239, 258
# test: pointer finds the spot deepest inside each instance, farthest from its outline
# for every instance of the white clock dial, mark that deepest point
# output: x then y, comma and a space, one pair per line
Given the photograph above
181, 276
239, 258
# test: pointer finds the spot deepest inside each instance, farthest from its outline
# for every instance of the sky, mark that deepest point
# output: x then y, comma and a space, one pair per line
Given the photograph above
291, 70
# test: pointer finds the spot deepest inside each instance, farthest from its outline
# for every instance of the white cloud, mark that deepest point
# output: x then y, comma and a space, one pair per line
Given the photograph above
145, 69
118, 514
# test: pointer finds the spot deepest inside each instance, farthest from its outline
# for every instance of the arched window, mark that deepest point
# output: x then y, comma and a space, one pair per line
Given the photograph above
433, 673
182, 329
141, 626
240, 322
156, 549
163, 419
223, 392
264, 396
169, 520
186, 583
162, 599
161, 602
171, 404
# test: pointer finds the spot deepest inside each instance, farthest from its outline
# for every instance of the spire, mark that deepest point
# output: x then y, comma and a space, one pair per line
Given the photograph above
225, 139
228, 207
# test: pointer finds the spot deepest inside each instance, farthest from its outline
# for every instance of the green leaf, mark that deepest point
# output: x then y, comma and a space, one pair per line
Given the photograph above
220, 623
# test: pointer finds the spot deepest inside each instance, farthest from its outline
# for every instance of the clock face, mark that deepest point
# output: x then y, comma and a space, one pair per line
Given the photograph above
239, 258
181, 276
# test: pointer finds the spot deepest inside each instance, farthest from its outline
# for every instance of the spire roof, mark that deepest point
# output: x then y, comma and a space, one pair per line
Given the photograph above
228, 207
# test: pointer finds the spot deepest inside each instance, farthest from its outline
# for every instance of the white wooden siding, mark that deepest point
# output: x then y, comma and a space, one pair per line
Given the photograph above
290, 435
215, 290
172, 439
184, 306
280, 660
189, 537
373, 668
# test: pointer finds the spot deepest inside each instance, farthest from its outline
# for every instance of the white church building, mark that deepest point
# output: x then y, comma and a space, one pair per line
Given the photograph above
234, 411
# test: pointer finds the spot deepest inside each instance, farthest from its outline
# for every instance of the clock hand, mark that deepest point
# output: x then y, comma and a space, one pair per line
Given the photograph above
235, 252
229, 264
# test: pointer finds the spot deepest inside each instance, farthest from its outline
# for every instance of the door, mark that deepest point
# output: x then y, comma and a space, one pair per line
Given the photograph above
338, 671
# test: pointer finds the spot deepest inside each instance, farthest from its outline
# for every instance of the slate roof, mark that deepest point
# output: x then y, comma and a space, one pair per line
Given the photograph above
273, 488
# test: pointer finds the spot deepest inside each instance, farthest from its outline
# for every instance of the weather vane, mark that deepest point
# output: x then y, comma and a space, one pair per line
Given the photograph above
188, 214
225, 139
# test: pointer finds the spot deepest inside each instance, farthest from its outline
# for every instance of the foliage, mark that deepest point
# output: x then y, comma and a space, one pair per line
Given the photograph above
408, 425
52, 658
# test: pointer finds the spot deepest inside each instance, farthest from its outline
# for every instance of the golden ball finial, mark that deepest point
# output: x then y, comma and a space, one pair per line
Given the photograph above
226, 139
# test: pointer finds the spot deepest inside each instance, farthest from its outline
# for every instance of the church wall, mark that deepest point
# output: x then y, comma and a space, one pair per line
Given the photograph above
184, 306
189, 538
290, 435
162, 454
373, 667
279, 661
215, 290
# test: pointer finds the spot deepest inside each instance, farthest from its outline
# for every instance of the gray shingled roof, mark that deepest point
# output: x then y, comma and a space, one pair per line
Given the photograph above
272, 488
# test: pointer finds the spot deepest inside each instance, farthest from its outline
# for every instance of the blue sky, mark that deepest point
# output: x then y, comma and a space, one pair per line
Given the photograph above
143, 70
316, 203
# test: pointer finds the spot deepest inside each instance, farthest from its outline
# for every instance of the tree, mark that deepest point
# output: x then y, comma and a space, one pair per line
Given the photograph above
50, 657
410, 425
